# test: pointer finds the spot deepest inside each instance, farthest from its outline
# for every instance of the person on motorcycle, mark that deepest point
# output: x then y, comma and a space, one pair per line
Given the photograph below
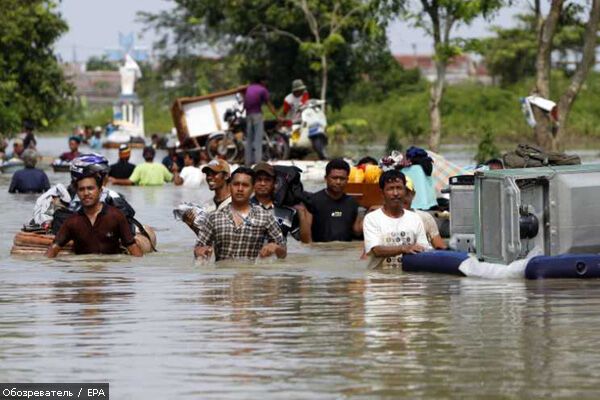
294, 100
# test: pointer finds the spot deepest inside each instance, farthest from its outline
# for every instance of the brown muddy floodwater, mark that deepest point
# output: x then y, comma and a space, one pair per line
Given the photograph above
315, 326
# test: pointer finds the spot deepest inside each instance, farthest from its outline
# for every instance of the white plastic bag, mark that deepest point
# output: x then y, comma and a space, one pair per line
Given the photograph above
475, 268
199, 212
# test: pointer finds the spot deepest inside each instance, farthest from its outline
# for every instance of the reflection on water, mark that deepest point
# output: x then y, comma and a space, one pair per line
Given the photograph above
316, 325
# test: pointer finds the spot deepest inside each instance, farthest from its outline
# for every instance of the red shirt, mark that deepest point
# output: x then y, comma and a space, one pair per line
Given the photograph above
109, 232
69, 155
291, 104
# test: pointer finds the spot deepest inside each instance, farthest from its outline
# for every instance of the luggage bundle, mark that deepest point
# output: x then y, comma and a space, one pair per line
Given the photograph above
528, 156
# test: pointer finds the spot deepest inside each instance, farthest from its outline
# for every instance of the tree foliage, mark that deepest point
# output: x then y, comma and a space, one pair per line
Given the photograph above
100, 63
278, 38
439, 18
32, 85
511, 53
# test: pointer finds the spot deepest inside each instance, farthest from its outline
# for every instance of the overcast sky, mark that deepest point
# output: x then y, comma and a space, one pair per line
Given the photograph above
95, 26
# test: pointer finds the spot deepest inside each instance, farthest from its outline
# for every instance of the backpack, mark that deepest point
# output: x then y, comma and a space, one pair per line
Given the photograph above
289, 190
529, 156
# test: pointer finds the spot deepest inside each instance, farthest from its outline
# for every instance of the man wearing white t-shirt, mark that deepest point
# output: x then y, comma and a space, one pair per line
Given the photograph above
190, 175
392, 231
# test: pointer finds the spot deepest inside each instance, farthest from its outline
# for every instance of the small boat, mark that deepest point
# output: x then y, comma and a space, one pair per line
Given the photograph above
59, 165
113, 145
12, 165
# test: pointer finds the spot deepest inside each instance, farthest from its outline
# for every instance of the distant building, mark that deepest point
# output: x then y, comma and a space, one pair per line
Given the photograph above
460, 69
96, 86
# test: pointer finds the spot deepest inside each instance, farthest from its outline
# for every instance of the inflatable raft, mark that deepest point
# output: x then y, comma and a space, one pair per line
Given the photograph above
567, 266
36, 244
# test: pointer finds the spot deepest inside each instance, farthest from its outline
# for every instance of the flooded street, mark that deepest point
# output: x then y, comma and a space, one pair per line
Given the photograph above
317, 325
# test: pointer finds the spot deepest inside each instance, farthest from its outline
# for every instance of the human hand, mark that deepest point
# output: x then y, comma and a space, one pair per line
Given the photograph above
203, 251
413, 249
301, 208
268, 250
188, 217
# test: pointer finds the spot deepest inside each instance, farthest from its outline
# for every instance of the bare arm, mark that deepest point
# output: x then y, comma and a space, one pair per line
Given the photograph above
273, 248
120, 182
188, 218
177, 179
438, 243
357, 227
390, 251
305, 218
272, 109
53, 250
202, 251
134, 250
60, 240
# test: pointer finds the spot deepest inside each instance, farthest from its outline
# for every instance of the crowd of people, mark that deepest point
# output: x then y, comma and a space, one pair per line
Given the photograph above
246, 217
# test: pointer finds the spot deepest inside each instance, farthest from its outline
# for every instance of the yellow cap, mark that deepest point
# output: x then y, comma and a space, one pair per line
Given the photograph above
409, 184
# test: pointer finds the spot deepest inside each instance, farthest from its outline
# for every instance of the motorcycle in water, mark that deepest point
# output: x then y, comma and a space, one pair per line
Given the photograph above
309, 130
229, 145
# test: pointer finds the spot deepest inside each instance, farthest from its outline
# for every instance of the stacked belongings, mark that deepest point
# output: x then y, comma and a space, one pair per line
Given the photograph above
35, 244
528, 156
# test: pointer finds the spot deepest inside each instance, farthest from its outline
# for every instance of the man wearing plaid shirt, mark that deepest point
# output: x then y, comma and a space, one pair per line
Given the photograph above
240, 230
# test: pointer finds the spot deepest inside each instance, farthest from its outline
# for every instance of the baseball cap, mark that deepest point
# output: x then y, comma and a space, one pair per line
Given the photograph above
409, 184
18, 141
217, 165
264, 167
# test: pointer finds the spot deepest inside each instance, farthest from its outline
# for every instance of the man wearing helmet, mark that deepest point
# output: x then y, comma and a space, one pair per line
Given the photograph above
58, 203
97, 164
96, 228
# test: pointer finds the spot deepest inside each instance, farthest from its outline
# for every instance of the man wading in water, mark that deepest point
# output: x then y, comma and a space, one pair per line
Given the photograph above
392, 231
240, 230
217, 177
96, 228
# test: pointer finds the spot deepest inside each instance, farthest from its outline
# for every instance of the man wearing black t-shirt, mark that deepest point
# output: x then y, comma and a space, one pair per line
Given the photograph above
332, 214
122, 169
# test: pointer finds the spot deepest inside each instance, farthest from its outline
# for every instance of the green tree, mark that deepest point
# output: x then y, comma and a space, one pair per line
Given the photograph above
512, 52
32, 85
318, 41
383, 75
548, 134
439, 18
